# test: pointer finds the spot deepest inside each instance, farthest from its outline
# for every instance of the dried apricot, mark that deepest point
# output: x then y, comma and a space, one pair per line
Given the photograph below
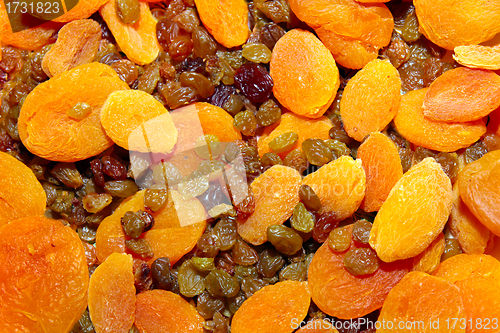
136, 121
77, 43
304, 127
226, 20
42, 260
411, 123
451, 23
340, 294
138, 41
479, 185
273, 309
340, 186
215, 120
21, 194
318, 326
462, 94
382, 164
428, 260
304, 72
112, 295
159, 311
411, 305
44, 125
276, 194
463, 266
478, 56
370, 99
414, 213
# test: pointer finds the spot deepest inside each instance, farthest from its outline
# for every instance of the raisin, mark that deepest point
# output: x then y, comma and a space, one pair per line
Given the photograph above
113, 168
301, 219
269, 113
283, 142
309, 198
361, 261
317, 153
339, 239
284, 239
162, 276
246, 123
254, 81
361, 231
244, 254
324, 225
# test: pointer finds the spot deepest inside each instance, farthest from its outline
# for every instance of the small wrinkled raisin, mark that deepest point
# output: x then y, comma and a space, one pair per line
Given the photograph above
244, 254
324, 225
134, 224
269, 113
225, 231
337, 148
128, 11
361, 261
155, 199
284, 239
160, 271
254, 81
257, 53
121, 188
317, 153
209, 244
283, 142
246, 123
361, 231
339, 239
309, 198
220, 283
250, 285
270, 159
297, 160
139, 246
270, 262
94, 202
113, 168
301, 219
191, 281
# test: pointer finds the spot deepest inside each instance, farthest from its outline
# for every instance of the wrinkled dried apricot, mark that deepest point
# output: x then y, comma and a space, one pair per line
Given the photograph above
370, 99
304, 72
462, 94
77, 43
215, 120
112, 295
273, 309
159, 311
340, 186
276, 194
42, 260
226, 20
138, 41
304, 127
46, 129
136, 121
428, 260
441, 136
463, 266
414, 213
380, 159
450, 23
411, 305
21, 194
479, 187
478, 56
340, 294
318, 326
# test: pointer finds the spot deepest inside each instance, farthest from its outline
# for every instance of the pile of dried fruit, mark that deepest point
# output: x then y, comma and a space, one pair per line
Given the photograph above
270, 166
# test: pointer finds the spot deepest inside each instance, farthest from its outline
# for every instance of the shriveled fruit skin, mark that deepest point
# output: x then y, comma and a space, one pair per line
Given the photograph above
370, 99
411, 123
471, 234
414, 214
77, 43
462, 94
463, 266
45, 128
318, 326
112, 295
352, 31
340, 186
276, 194
479, 187
305, 128
304, 72
159, 311
451, 23
428, 260
43, 276
136, 121
413, 300
226, 20
273, 308
380, 159
21, 194
138, 41
478, 56
340, 294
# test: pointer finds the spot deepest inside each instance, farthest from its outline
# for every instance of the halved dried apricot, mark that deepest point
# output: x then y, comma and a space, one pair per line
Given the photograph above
215, 120
463, 266
428, 260
478, 56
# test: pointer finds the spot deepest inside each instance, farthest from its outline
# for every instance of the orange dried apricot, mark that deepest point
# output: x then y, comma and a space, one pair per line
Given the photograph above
450, 23
462, 94
82, 10
471, 234
318, 326
479, 187
136, 121
276, 194
44, 125
340, 186
478, 56
411, 123
380, 159
21, 194
138, 41
340, 294
414, 213
226, 20
159, 311
215, 120
370, 99
77, 43
304, 127
411, 306
112, 295
428, 260
463, 266
273, 309
304, 72
43, 276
